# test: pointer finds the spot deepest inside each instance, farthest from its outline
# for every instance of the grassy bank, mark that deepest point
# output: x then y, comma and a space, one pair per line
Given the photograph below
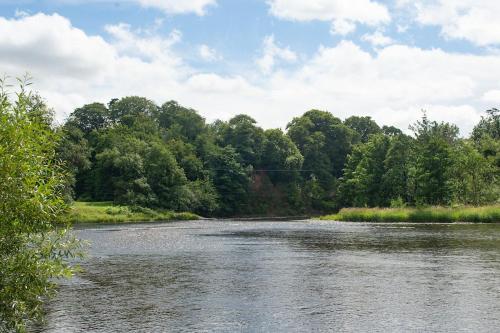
106, 212
429, 214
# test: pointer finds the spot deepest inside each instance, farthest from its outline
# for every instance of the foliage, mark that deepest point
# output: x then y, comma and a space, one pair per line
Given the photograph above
34, 246
363, 126
133, 152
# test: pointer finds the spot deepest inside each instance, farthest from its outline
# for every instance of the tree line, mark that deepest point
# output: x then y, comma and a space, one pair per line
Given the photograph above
132, 151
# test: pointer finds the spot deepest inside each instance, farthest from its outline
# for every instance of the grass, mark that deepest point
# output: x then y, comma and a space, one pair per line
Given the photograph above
107, 212
429, 214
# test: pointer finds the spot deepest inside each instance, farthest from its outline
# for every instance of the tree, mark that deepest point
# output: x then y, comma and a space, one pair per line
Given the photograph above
433, 160
396, 181
363, 126
34, 246
230, 180
318, 134
128, 109
364, 172
391, 130
75, 151
281, 157
180, 122
185, 154
324, 142
488, 126
166, 179
88, 118
486, 137
474, 179
241, 133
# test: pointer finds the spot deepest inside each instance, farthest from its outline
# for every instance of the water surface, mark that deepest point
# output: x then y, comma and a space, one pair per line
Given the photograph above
302, 276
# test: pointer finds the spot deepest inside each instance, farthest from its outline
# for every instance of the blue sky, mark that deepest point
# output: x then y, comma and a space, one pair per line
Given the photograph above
271, 59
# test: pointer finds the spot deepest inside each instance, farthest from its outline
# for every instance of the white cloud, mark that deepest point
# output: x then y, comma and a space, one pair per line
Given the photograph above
213, 83
208, 54
377, 39
492, 96
49, 45
179, 6
472, 20
72, 68
342, 27
392, 85
343, 14
150, 47
272, 53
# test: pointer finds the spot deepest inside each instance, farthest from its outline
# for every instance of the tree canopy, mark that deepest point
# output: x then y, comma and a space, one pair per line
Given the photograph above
135, 152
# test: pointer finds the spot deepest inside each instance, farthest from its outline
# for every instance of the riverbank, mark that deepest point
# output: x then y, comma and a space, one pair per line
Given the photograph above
485, 214
107, 212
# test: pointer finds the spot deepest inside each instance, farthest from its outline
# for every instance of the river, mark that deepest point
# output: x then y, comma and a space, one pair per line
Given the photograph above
297, 276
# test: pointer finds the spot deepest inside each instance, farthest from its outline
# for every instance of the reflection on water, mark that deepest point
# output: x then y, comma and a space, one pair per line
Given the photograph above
283, 277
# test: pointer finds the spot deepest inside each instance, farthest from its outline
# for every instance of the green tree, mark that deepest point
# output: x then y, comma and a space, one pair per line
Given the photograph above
129, 109
34, 246
75, 151
488, 126
166, 179
474, 179
325, 142
432, 161
364, 172
396, 182
88, 118
363, 126
281, 157
241, 133
391, 130
180, 122
230, 179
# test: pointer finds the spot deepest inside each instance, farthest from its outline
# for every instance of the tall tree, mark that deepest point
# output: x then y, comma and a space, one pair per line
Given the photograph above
180, 122
397, 180
362, 181
433, 160
474, 179
127, 109
230, 179
241, 133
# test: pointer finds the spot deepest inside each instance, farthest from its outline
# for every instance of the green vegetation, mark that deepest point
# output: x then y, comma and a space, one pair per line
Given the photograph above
107, 212
34, 245
429, 214
136, 153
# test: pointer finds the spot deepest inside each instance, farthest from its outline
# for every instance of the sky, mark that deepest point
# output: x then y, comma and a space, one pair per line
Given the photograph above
270, 59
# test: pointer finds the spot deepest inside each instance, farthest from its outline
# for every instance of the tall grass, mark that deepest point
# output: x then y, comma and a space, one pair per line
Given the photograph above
106, 212
428, 214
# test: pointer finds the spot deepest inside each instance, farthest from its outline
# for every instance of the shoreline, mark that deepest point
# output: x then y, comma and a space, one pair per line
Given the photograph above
108, 213
482, 214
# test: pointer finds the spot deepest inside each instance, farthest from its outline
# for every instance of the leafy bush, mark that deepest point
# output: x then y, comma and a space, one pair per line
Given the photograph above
34, 245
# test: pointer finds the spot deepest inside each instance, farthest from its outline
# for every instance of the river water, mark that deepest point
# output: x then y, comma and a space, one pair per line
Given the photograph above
298, 276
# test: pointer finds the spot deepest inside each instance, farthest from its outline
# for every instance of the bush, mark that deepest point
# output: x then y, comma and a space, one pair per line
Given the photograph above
34, 246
